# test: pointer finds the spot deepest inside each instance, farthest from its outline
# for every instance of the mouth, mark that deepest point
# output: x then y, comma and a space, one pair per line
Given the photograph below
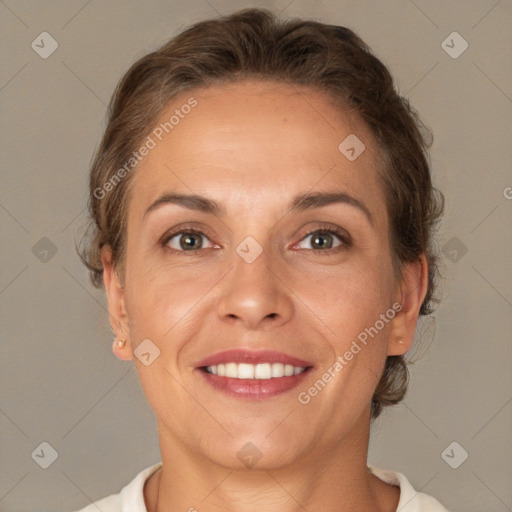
253, 375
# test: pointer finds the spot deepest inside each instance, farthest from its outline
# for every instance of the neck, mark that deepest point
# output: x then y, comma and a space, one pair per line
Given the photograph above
333, 478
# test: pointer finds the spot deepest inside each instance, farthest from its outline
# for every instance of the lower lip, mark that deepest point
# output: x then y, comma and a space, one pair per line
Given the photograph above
254, 389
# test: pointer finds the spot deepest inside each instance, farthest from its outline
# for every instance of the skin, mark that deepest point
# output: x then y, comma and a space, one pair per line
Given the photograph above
252, 147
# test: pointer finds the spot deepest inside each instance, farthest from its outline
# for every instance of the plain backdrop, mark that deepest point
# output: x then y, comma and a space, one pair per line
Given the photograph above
61, 384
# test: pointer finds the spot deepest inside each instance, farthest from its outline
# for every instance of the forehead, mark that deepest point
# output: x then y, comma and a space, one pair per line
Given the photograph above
256, 136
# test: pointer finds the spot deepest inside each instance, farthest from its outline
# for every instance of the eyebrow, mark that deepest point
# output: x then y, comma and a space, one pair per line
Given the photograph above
190, 201
300, 203
308, 201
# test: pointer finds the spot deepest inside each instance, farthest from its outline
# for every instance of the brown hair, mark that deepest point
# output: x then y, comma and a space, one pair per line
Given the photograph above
254, 43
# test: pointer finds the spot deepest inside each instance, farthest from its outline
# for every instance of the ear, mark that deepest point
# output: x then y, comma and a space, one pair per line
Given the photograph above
116, 305
412, 291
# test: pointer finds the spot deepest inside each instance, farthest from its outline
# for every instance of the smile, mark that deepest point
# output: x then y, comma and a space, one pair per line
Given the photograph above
261, 371
253, 375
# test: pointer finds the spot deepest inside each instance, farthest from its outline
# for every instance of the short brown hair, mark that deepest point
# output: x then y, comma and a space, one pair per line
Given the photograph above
254, 43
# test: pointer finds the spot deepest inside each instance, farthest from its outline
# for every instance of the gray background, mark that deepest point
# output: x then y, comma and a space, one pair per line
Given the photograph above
61, 383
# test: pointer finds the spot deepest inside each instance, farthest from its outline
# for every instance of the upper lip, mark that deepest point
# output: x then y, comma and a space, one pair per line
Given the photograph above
252, 357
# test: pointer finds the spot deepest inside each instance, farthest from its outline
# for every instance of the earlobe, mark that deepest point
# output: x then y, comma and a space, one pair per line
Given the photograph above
413, 289
121, 350
116, 306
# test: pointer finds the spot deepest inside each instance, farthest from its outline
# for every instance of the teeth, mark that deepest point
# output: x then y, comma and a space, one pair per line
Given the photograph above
245, 371
262, 371
277, 370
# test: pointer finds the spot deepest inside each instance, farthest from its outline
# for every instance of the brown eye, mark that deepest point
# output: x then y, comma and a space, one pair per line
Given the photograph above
322, 241
186, 241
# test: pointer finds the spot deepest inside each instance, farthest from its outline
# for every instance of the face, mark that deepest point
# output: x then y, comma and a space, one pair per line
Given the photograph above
256, 293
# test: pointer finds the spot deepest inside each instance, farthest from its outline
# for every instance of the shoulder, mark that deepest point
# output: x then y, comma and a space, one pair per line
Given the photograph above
130, 499
410, 499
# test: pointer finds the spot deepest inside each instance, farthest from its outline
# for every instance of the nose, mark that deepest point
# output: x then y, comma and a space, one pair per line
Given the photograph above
255, 295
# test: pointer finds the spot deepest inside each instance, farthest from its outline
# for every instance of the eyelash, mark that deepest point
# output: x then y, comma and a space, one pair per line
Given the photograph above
343, 237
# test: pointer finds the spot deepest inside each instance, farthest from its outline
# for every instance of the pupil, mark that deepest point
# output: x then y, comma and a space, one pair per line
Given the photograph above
319, 243
189, 241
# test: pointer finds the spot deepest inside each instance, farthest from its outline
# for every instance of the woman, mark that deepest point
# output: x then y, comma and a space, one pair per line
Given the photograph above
263, 217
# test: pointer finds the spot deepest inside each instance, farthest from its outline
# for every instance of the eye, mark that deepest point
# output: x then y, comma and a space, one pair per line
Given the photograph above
324, 239
189, 240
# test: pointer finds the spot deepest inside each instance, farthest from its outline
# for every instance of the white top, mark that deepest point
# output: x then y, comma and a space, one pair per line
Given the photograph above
131, 497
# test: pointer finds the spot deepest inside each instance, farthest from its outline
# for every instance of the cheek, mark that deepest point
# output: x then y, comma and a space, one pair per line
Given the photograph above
357, 309
355, 305
348, 299
161, 300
